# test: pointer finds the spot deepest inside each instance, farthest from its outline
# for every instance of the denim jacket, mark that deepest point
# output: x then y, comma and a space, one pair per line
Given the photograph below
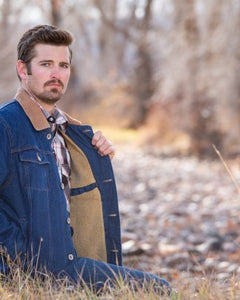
34, 223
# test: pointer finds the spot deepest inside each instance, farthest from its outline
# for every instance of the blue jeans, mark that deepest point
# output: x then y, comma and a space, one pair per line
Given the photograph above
96, 275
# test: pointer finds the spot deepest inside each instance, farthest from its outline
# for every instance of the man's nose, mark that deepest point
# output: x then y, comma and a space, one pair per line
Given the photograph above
55, 72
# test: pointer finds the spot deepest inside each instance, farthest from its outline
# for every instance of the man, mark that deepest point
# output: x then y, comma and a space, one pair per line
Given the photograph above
50, 171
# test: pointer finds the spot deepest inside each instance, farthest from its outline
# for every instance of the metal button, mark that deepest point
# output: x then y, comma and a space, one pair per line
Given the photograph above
68, 221
38, 157
70, 257
51, 119
49, 136
114, 250
108, 180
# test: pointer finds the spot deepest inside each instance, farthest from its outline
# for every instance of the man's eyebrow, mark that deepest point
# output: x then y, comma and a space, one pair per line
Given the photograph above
49, 60
65, 62
46, 60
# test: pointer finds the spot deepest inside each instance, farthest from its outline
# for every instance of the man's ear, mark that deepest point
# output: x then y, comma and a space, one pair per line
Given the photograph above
21, 69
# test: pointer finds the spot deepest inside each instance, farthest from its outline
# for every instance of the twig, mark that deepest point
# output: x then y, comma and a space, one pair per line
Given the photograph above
227, 168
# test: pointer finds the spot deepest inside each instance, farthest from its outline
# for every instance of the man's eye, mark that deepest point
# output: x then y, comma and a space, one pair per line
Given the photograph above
45, 64
65, 66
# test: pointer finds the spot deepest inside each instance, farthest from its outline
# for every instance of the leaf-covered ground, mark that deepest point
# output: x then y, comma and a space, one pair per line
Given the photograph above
179, 215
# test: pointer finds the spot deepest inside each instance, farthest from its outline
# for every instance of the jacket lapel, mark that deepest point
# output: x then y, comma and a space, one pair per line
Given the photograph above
34, 112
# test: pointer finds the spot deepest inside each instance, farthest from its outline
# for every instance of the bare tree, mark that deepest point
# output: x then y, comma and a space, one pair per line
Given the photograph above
137, 35
5, 12
196, 79
198, 108
56, 11
8, 80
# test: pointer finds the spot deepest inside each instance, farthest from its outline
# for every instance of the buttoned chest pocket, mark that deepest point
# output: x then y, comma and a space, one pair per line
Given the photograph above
34, 167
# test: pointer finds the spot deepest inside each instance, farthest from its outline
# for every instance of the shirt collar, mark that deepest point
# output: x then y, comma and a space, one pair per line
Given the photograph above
35, 113
57, 118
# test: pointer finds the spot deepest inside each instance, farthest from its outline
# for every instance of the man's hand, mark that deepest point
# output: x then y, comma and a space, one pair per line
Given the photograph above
103, 145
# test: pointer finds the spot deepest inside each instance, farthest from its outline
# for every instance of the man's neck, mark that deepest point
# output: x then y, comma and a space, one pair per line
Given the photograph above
48, 107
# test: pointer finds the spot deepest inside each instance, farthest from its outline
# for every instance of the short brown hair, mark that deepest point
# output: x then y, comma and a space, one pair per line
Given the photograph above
42, 34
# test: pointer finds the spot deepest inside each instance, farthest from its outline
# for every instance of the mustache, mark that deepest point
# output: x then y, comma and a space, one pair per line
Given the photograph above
54, 81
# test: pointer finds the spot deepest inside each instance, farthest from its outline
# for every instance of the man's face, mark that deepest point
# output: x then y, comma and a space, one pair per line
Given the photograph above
50, 72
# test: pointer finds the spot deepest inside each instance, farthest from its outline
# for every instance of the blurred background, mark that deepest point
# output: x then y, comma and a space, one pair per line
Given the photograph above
169, 68
161, 78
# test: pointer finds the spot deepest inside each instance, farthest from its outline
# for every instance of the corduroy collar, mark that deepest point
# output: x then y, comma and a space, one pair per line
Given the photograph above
34, 112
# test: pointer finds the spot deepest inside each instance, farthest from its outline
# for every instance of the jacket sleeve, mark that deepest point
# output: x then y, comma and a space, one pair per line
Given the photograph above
11, 237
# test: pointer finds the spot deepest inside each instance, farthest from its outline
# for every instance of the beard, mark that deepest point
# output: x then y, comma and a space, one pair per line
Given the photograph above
53, 95
50, 97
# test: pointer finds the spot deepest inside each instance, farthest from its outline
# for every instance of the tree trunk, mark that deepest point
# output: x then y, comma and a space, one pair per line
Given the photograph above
5, 11
143, 87
56, 17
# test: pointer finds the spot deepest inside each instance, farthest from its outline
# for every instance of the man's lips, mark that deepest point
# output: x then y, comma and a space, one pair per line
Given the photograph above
54, 83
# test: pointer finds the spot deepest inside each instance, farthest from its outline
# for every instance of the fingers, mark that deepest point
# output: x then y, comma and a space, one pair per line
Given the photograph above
103, 145
97, 135
98, 140
107, 149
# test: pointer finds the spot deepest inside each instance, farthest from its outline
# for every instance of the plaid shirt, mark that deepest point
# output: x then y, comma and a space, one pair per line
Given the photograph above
58, 123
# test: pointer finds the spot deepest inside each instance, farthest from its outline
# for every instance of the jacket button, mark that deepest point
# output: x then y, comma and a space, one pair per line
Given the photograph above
39, 157
49, 136
68, 221
114, 250
70, 257
51, 119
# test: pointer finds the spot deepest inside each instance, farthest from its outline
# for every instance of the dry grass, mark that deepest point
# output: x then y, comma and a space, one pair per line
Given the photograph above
21, 285
207, 288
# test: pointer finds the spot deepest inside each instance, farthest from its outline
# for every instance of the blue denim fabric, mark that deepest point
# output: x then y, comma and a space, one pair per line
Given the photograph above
33, 214
98, 274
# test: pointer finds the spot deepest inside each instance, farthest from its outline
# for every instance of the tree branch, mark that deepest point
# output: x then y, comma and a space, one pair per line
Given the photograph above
124, 31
